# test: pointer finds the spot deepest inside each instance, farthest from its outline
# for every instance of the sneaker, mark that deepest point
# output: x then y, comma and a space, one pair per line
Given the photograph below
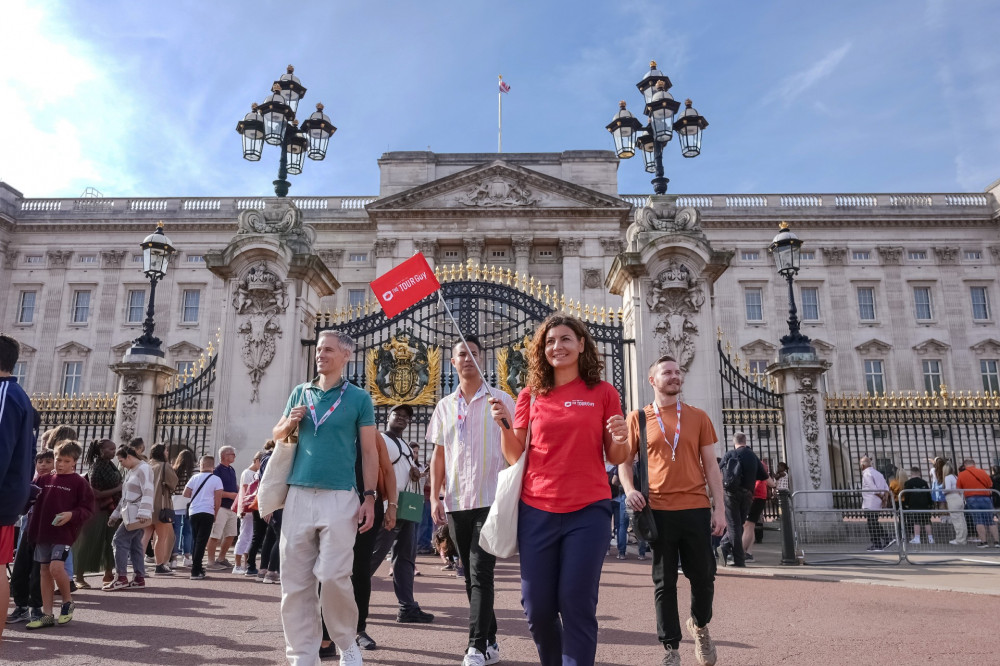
42, 622
365, 641
187, 562
621, 556
328, 652
150, 559
66, 612
217, 566
915, 540
162, 570
874, 549
955, 542
459, 572
930, 538
35, 613
748, 557
261, 573
474, 658
671, 658
19, 614
448, 567
642, 557
492, 654
198, 576
239, 571
984, 545
727, 554
414, 616
251, 571
704, 648
120, 583
225, 564
272, 578
137, 583
351, 656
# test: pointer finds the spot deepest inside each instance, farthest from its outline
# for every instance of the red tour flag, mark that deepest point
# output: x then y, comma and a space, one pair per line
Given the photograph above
405, 285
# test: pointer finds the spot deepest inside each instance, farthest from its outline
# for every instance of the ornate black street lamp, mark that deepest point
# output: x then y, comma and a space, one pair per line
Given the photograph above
630, 134
156, 251
274, 122
785, 250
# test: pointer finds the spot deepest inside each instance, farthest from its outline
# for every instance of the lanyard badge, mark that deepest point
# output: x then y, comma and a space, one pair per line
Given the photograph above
312, 408
677, 430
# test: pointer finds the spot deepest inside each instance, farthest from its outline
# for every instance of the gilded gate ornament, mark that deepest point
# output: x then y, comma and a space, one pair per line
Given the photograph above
512, 367
403, 370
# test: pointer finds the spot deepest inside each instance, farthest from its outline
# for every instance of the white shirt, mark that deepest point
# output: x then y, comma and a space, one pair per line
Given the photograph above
401, 456
470, 437
205, 501
872, 482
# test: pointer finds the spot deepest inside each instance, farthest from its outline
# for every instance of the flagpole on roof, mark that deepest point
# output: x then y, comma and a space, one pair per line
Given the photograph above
500, 116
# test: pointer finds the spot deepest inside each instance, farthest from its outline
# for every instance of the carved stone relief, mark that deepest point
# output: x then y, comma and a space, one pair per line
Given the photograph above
677, 297
499, 191
810, 428
686, 220
891, 256
260, 296
592, 278
385, 247
129, 412
331, 258
113, 258
612, 246
570, 246
995, 251
946, 255
59, 257
835, 256
426, 246
474, 249
131, 384
521, 246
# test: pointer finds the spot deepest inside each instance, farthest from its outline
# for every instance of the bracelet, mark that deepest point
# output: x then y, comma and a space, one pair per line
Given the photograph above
393, 505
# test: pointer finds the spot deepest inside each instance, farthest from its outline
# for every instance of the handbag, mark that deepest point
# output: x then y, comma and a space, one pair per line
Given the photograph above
411, 506
273, 488
498, 536
167, 512
642, 521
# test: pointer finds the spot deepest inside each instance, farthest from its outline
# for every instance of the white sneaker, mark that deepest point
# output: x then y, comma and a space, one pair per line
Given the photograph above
474, 658
930, 538
187, 561
351, 656
492, 654
915, 539
239, 571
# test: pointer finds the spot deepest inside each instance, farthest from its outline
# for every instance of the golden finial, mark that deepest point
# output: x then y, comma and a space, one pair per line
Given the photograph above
493, 273
211, 349
509, 276
621, 315
736, 360
604, 316
579, 310
718, 333
729, 349
783, 226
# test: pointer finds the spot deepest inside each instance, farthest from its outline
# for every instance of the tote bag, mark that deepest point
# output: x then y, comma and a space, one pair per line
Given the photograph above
273, 487
411, 506
498, 535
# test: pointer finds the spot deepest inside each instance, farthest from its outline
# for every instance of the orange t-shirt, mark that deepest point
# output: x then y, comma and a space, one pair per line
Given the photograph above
677, 484
972, 479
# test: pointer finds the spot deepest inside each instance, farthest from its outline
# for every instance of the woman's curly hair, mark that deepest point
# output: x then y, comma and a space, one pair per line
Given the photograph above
541, 376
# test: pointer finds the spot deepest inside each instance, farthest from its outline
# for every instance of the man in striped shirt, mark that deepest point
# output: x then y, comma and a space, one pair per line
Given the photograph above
466, 462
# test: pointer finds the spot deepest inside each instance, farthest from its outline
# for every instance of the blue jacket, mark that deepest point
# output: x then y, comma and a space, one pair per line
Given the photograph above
17, 449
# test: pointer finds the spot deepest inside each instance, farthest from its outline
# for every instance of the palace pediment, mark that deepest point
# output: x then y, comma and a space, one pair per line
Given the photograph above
73, 349
759, 348
931, 346
498, 187
184, 348
987, 346
873, 346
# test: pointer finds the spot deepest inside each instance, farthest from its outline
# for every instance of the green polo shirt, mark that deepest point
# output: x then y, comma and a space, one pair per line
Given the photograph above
325, 458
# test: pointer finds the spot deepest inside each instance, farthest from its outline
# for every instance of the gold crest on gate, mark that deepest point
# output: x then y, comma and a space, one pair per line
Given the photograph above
512, 367
403, 370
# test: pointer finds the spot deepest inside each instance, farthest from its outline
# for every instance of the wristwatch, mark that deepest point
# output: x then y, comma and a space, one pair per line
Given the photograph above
369, 493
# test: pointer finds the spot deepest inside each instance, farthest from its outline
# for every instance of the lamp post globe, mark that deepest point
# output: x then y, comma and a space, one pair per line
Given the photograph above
624, 127
784, 250
156, 251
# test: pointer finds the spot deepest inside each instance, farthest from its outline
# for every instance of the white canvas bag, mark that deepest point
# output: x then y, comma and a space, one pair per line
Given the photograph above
498, 535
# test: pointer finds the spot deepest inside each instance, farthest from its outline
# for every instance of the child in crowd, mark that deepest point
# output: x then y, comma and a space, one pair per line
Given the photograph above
65, 503
24, 579
442, 543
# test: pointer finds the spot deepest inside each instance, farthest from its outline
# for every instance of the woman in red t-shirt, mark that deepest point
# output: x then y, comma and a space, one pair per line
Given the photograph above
564, 515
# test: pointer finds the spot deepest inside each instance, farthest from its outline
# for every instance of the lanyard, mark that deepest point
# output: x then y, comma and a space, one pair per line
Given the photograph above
677, 430
312, 407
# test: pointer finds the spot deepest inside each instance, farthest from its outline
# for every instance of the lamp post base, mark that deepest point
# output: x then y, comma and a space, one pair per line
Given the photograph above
281, 187
796, 348
660, 184
142, 349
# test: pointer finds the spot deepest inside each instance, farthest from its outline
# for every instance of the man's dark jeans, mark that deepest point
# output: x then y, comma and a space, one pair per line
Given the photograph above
201, 530
402, 541
876, 532
464, 527
737, 510
259, 530
688, 534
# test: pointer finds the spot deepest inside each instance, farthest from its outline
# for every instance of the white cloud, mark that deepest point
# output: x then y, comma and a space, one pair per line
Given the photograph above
801, 81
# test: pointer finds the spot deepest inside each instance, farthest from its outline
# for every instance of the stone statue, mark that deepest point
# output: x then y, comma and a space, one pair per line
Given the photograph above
677, 297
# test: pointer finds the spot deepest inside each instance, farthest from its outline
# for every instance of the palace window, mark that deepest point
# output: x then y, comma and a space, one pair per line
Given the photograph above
26, 307
861, 255
932, 375
356, 297
136, 305
191, 302
980, 303
866, 303
498, 254
136, 258
990, 369
184, 367
758, 367
81, 306
72, 377
21, 372
973, 255
88, 258
545, 254
807, 255
750, 255
917, 255
753, 298
922, 303
874, 377
451, 254
357, 257
196, 259
810, 303
34, 259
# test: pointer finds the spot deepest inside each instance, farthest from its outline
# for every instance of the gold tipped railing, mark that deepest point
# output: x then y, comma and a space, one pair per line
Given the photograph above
944, 398
80, 402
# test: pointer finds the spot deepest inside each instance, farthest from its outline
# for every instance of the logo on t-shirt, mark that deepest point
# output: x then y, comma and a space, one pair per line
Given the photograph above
578, 403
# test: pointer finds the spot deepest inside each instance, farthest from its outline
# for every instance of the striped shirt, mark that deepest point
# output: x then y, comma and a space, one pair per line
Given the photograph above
473, 458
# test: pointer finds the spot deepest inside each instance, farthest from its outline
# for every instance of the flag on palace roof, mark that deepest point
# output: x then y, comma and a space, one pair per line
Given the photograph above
504, 88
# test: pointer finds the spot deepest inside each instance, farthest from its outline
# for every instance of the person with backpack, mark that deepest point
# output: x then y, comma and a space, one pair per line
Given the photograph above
675, 443
741, 469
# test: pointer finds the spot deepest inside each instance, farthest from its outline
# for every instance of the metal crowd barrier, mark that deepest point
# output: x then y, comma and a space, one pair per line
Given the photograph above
947, 528
839, 530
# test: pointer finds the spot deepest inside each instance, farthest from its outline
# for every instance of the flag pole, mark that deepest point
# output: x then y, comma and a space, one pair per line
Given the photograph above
469, 351
500, 118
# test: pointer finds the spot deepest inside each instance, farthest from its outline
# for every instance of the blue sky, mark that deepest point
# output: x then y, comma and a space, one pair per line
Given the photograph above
141, 99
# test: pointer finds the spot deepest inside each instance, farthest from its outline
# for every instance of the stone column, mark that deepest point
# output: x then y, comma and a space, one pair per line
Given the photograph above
275, 281
807, 447
385, 250
521, 246
141, 378
665, 277
570, 248
427, 247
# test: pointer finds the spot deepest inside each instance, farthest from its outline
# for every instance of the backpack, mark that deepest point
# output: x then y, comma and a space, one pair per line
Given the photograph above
732, 473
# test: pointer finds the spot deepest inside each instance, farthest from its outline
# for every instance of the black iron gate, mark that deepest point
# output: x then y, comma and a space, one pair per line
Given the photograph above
407, 359
184, 414
752, 405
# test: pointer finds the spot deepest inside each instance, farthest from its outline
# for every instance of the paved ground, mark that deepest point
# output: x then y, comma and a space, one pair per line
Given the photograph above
763, 615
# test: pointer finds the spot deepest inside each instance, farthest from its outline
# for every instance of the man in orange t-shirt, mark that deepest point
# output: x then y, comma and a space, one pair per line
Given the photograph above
978, 485
681, 459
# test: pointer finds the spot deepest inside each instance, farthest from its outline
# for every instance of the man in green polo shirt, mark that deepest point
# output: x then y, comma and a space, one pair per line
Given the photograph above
322, 513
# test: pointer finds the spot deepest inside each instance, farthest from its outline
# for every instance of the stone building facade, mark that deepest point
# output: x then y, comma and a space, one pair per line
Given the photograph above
898, 291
